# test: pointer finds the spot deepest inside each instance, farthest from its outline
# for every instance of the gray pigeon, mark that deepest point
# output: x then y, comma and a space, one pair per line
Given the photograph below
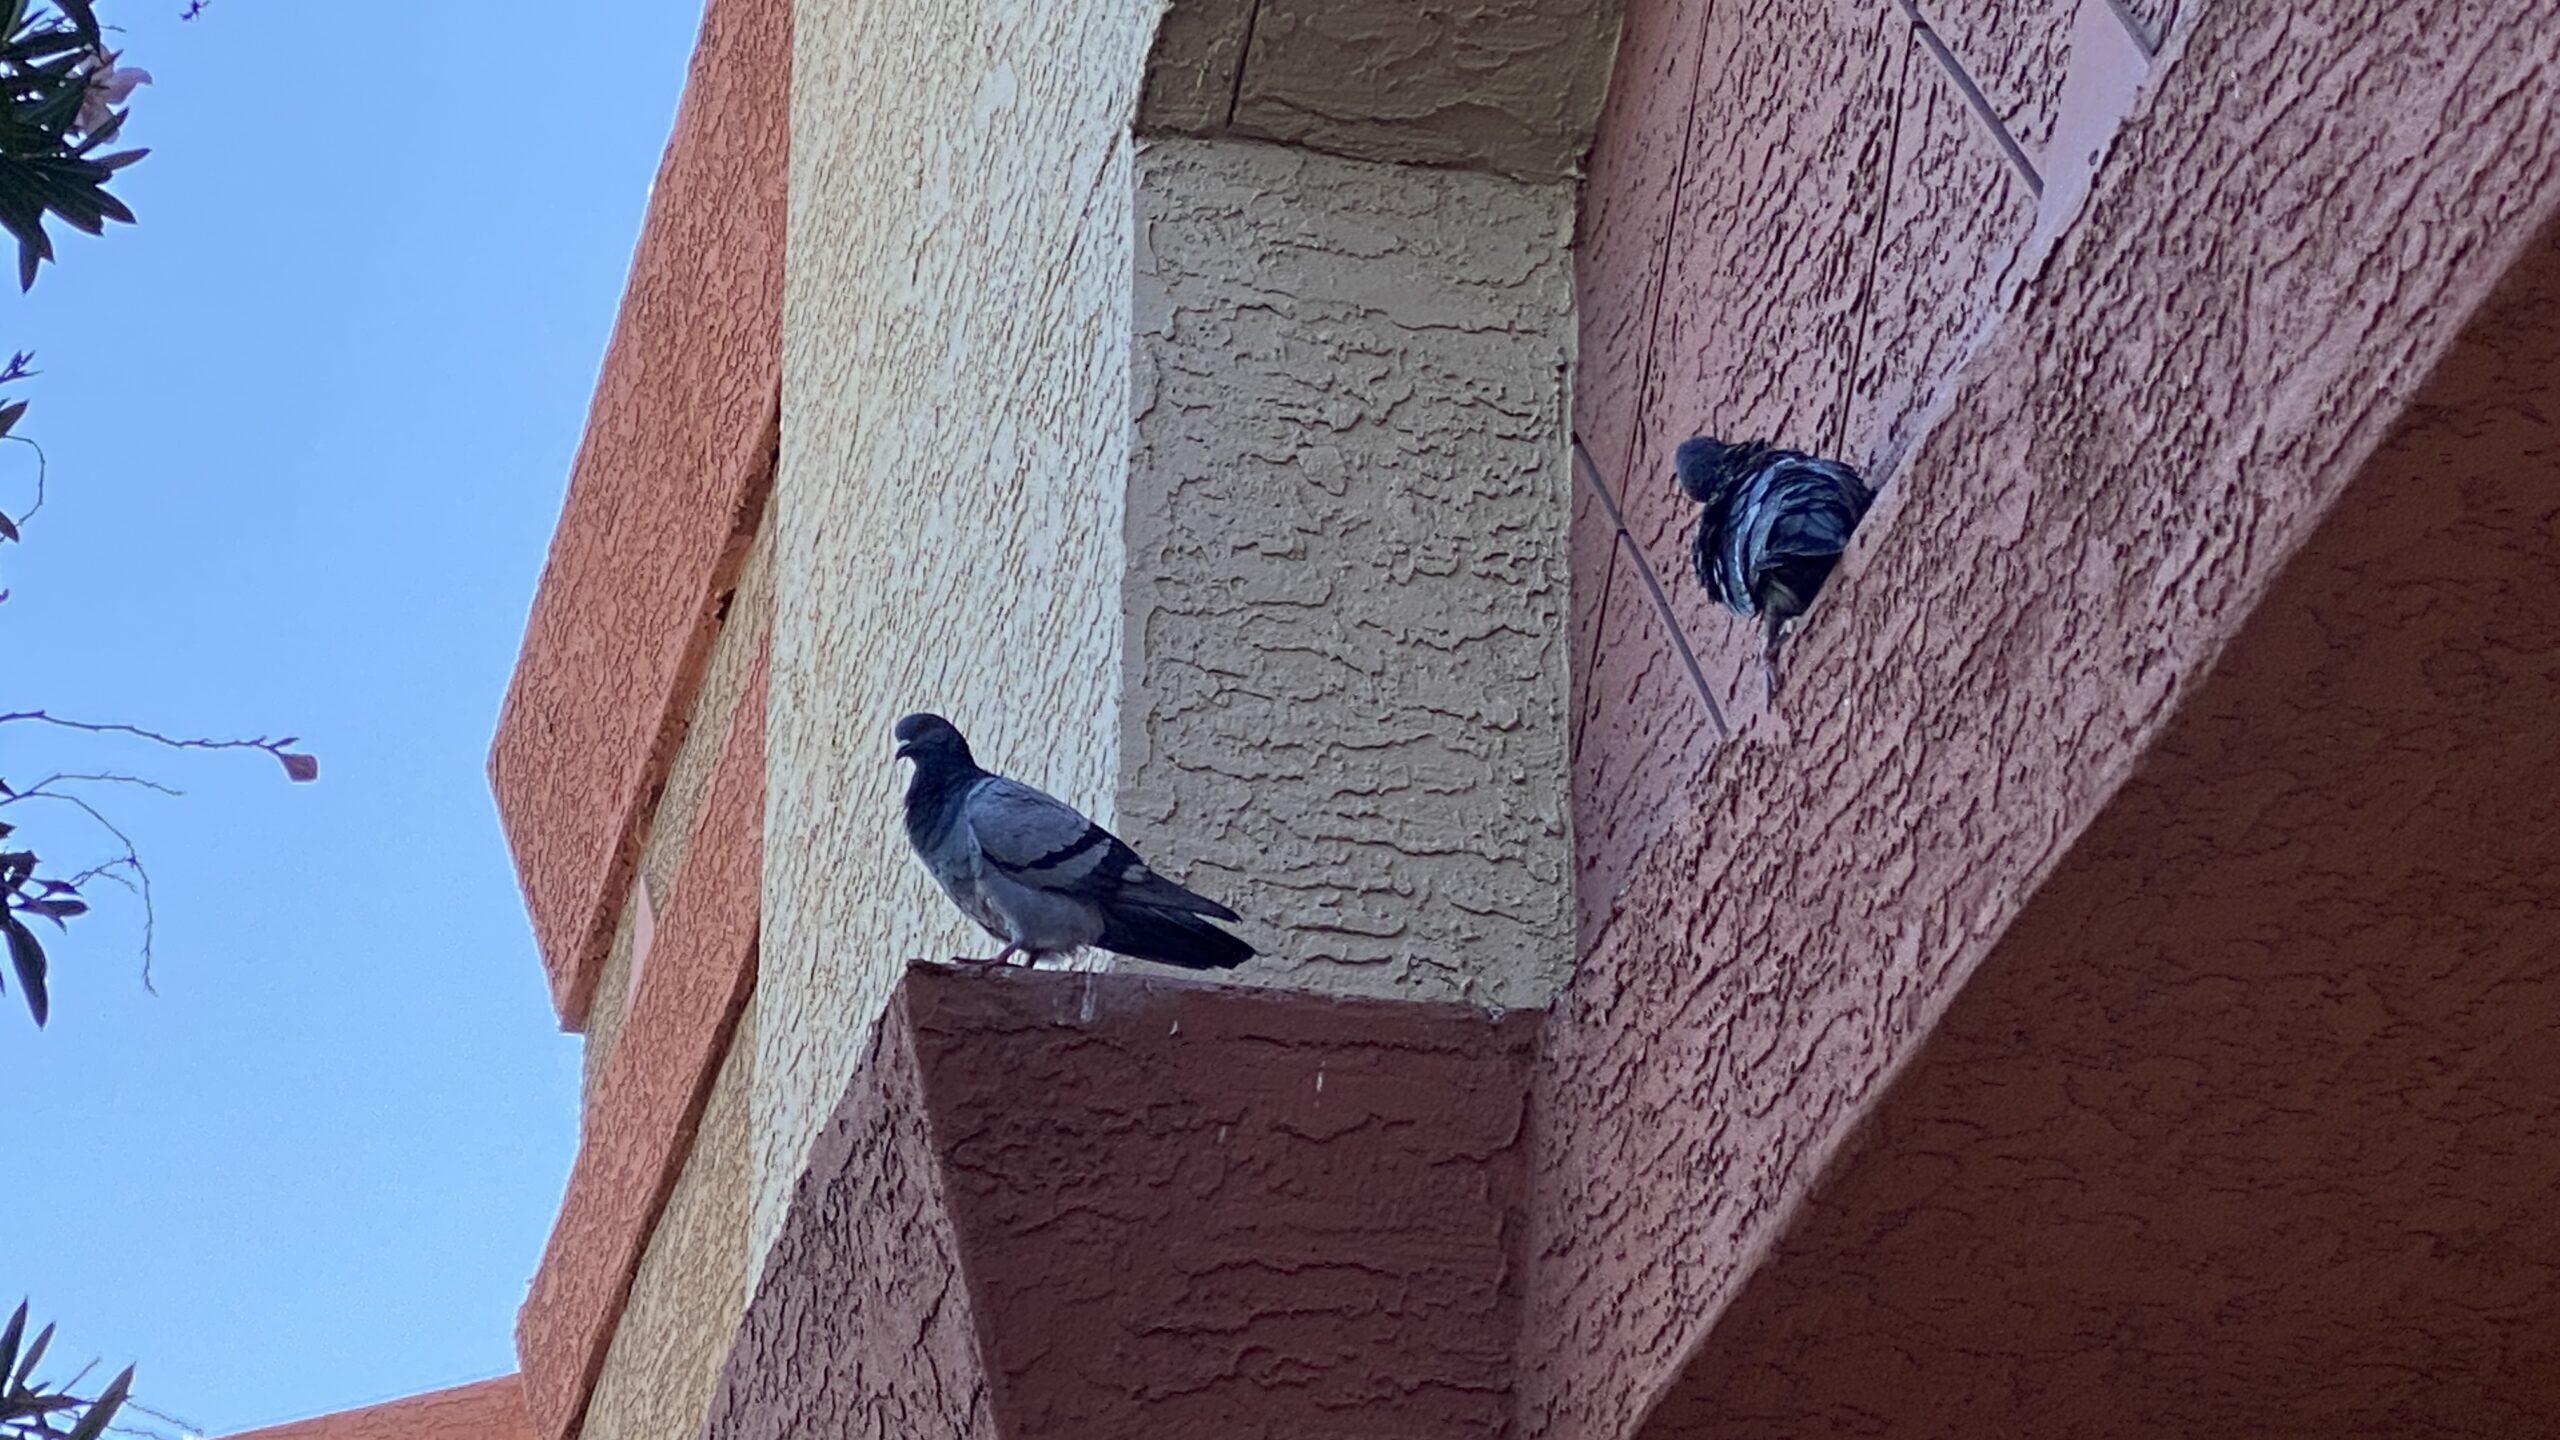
1036, 874
1775, 523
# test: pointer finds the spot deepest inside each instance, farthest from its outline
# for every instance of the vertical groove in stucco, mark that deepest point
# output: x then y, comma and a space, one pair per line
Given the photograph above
744, 619
948, 508
691, 1288
1345, 693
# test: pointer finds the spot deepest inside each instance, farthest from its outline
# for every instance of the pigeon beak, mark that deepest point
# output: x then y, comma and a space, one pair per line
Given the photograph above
906, 750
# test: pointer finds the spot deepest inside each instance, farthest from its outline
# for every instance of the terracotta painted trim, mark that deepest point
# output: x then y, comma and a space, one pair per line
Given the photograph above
641, 1120
668, 487
1116, 1207
488, 1410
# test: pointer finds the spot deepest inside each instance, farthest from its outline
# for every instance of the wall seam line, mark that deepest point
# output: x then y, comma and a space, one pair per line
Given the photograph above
1653, 586
2143, 40
1973, 95
1244, 54
1875, 255
1663, 612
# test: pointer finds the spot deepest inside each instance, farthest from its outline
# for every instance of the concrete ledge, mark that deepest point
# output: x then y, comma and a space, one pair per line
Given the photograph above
640, 1123
1114, 1206
669, 483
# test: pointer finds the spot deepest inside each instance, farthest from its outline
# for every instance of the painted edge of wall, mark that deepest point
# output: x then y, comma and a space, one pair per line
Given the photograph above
663, 500
640, 1128
484, 1410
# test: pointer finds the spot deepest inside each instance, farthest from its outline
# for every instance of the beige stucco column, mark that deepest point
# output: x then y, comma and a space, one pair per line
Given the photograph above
1177, 401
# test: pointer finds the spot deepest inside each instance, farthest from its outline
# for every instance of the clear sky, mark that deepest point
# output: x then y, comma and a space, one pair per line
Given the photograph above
310, 423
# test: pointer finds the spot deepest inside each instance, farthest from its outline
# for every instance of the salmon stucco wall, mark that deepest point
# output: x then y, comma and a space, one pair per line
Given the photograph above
738, 666
489, 1410
1344, 702
647, 1133
676, 1327
954, 457
2249, 1125
2271, 261
1797, 226
665, 497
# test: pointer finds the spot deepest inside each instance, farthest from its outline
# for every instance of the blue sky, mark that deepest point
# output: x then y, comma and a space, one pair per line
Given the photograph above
309, 426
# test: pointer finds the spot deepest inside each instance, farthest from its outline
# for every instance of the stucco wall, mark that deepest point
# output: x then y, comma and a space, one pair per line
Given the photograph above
2272, 257
1798, 226
724, 678
1344, 704
669, 484
1116, 1207
954, 456
691, 1287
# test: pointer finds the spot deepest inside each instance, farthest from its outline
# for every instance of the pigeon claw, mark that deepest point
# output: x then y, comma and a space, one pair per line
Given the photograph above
1001, 957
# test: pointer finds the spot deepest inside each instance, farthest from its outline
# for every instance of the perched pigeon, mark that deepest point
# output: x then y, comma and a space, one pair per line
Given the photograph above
1037, 875
1775, 523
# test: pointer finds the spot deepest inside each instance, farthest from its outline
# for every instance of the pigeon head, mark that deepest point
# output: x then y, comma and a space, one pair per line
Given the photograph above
932, 740
1709, 468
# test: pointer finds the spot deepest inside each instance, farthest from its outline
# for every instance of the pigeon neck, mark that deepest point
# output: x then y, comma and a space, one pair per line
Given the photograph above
937, 779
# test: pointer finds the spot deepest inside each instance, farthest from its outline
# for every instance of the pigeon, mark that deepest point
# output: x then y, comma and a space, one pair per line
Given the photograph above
1039, 876
1774, 523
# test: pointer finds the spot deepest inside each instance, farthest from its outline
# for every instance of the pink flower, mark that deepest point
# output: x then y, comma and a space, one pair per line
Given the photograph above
109, 85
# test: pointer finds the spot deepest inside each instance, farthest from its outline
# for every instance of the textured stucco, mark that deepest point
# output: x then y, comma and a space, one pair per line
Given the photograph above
954, 459
737, 666
2274, 255
2161, 18
2018, 56
1345, 693
1509, 86
644, 1114
1165, 1208
665, 495
2250, 1124
860, 1323
1795, 227
489, 1410
677, 1326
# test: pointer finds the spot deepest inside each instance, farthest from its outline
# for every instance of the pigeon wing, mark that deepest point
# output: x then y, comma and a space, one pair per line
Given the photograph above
1041, 841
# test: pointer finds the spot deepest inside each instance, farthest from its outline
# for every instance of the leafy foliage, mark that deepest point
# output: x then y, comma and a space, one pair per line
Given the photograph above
31, 1409
55, 71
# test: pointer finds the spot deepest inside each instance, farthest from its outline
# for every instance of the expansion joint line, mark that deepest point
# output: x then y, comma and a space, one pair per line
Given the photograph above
1590, 469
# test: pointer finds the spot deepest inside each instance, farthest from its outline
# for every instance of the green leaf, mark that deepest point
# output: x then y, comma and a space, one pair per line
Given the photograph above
35, 1356
102, 1411
9, 1338
83, 17
26, 956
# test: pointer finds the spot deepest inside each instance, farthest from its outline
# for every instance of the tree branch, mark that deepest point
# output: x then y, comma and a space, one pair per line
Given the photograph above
130, 860
298, 767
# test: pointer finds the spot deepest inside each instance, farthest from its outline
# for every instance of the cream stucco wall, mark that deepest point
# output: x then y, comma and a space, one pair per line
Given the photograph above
691, 1287
954, 456
1217, 486
1345, 692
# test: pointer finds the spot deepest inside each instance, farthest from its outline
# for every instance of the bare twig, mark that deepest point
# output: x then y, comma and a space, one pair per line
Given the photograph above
130, 860
103, 778
178, 1425
297, 766
21, 520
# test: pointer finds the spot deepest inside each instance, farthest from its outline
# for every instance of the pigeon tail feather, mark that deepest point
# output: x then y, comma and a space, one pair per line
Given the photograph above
1170, 937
